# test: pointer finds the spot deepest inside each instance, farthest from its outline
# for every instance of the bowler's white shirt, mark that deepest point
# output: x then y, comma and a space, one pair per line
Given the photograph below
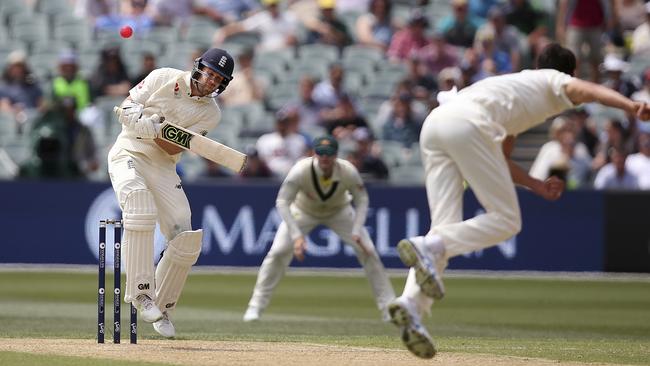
514, 103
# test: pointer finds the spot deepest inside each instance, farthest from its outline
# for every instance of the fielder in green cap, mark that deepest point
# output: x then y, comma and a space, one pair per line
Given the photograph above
320, 190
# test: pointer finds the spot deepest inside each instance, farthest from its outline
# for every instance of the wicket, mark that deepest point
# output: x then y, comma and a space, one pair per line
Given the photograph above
117, 287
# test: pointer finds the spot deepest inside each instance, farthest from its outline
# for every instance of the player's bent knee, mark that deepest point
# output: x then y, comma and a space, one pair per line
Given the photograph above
512, 224
140, 211
185, 248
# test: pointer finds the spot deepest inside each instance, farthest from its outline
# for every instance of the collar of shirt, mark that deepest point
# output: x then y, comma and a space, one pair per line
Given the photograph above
336, 174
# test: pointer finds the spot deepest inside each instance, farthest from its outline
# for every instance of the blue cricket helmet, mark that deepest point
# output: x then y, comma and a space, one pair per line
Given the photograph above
219, 61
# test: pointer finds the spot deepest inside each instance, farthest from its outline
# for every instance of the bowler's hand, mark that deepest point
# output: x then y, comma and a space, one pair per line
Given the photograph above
357, 240
551, 189
299, 246
642, 111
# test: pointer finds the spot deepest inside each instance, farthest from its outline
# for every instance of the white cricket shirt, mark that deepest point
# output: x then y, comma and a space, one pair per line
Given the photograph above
166, 92
514, 103
306, 188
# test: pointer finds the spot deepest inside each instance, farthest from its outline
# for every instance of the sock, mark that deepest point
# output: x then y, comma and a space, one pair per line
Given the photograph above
432, 242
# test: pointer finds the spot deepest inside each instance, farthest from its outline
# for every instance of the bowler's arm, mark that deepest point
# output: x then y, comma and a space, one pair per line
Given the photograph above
550, 189
581, 91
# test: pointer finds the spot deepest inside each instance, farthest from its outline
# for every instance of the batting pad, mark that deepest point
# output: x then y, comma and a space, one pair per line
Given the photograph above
179, 256
139, 217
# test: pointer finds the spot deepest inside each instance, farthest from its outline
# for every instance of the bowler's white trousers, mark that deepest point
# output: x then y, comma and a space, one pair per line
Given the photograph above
279, 256
457, 143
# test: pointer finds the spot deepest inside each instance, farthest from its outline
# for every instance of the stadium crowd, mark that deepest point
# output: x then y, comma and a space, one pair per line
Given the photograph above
365, 71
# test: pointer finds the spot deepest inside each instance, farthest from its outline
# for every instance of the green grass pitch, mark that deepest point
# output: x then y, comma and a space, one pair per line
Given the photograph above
585, 320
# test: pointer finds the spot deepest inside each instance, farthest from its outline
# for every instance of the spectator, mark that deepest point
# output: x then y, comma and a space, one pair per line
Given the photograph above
110, 78
410, 39
506, 37
460, 27
631, 14
76, 140
168, 13
641, 36
281, 149
613, 68
438, 54
448, 78
19, 86
365, 158
424, 84
148, 65
352, 6
227, 11
615, 135
639, 163
135, 15
344, 118
615, 175
554, 151
49, 161
255, 166
402, 125
308, 109
581, 23
245, 87
90, 10
586, 131
374, 28
530, 22
643, 95
328, 92
277, 29
579, 164
491, 60
328, 29
481, 8
69, 82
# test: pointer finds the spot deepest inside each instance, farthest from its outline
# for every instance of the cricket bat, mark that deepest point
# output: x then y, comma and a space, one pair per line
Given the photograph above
200, 145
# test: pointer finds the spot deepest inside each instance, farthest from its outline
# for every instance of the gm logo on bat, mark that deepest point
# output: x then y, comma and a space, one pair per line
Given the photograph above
176, 135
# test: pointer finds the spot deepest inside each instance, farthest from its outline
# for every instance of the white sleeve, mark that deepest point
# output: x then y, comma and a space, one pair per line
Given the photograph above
254, 21
360, 199
141, 92
286, 195
558, 82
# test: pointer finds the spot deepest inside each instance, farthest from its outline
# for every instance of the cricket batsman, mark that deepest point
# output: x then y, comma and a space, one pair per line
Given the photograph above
319, 190
142, 170
470, 137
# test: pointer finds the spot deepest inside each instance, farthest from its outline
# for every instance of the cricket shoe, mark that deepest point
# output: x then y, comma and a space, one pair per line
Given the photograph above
164, 326
147, 308
252, 314
418, 341
414, 335
422, 260
402, 313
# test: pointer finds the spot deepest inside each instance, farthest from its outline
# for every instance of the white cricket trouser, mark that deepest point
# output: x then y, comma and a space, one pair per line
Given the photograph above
131, 171
279, 256
453, 148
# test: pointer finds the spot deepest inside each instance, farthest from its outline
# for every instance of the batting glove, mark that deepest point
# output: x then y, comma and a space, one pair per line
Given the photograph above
148, 127
131, 112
